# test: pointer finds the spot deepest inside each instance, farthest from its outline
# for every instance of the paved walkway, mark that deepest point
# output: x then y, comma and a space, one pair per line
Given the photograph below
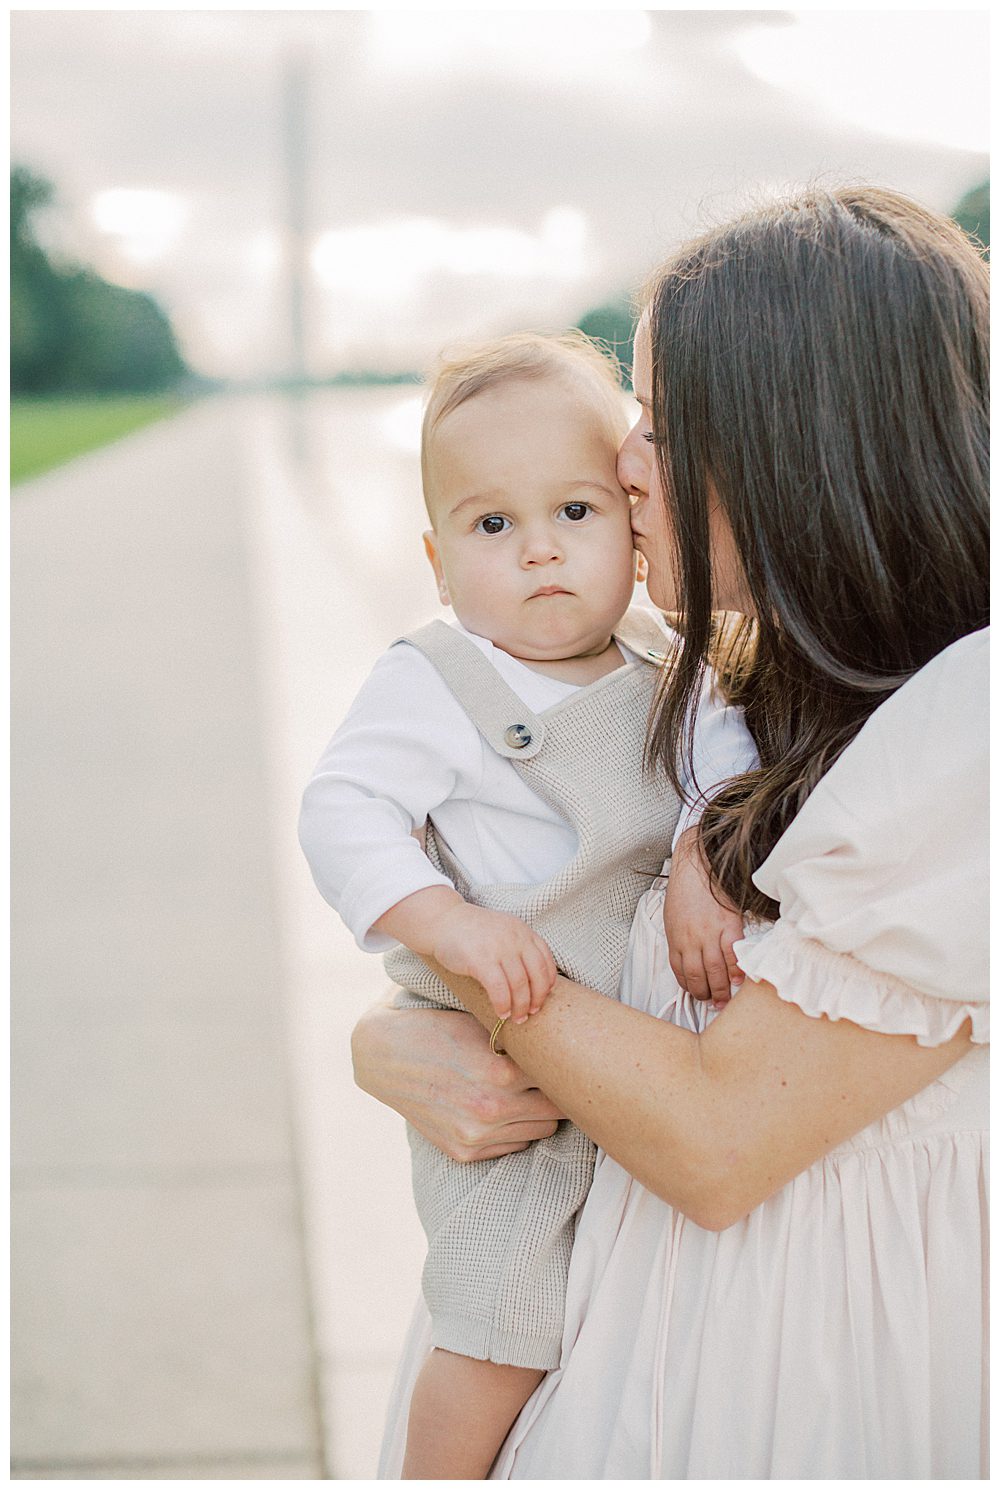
213, 1250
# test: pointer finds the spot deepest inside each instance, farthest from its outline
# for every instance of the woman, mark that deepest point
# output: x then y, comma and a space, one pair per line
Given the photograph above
779, 1270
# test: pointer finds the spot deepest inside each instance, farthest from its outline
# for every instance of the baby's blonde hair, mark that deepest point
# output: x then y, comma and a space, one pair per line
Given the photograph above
465, 371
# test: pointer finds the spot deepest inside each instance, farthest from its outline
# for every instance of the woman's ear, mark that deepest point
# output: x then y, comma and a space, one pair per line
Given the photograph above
431, 550
641, 568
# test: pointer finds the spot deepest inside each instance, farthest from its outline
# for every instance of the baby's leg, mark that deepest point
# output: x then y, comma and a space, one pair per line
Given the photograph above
499, 1245
460, 1414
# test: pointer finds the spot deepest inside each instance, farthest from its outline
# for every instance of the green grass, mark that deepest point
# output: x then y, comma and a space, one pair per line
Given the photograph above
45, 432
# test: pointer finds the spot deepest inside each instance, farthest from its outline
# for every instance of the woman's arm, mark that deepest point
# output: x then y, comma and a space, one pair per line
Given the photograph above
716, 1123
436, 1068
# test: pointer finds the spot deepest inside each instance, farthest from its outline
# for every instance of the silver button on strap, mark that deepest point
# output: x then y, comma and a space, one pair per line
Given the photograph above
517, 736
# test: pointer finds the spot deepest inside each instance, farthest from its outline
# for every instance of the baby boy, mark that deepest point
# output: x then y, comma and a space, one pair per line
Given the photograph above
514, 738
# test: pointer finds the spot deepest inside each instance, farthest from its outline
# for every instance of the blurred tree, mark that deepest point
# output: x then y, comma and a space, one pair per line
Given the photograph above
973, 213
71, 331
613, 323
38, 312
121, 343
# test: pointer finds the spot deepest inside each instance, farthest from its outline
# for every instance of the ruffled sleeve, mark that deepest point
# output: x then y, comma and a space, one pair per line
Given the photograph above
882, 878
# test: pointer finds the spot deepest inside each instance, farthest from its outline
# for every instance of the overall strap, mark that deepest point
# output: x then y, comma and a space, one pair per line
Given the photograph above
645, 633
504, 720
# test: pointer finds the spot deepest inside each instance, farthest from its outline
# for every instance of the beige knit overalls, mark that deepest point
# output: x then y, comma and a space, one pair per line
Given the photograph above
500, 1231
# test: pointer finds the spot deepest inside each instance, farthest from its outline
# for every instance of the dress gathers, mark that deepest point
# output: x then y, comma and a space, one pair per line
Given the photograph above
838, 1331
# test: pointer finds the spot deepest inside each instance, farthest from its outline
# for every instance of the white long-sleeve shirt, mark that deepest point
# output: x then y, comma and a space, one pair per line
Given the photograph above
408, 751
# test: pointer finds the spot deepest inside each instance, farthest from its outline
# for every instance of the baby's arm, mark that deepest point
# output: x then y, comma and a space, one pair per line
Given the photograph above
701, 925
501, 952
404, 748
380, 775
700, 928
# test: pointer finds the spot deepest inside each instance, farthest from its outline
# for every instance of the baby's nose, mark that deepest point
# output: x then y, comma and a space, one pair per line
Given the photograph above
541, 547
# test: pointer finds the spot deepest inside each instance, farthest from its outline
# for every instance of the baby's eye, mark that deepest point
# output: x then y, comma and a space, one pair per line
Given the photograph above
575, 512
493, 523
650, 437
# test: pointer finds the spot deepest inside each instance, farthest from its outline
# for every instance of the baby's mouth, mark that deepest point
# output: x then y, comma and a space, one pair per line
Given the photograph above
548, 590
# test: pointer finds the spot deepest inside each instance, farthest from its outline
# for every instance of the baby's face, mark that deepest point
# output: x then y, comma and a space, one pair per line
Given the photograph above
532, 544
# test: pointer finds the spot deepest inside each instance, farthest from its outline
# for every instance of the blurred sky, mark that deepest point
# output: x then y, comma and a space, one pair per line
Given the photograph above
467, 171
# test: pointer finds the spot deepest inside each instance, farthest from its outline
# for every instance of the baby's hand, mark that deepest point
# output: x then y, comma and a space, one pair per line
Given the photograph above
700, 931
502, 953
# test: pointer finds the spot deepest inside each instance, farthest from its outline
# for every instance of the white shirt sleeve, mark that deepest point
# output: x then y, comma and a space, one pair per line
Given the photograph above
723, 747
404, 748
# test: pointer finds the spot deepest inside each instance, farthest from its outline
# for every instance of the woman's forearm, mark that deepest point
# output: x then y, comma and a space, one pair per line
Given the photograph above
716, 1123
603, 1067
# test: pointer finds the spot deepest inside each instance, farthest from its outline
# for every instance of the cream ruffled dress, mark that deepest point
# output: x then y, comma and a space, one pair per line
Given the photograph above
838, 1332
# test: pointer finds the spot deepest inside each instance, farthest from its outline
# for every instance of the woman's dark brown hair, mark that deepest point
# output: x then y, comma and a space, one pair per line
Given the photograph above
820, 369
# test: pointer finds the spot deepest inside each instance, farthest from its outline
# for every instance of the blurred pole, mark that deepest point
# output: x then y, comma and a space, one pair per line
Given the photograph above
295, 100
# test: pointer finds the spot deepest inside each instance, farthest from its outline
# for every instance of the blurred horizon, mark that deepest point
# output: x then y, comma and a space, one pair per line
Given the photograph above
437, 175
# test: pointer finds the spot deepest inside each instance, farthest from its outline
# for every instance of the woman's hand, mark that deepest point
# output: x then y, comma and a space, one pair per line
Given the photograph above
436, 1068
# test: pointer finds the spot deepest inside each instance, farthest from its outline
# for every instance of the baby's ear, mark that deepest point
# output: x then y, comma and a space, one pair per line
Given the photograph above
641, 568
431, 550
